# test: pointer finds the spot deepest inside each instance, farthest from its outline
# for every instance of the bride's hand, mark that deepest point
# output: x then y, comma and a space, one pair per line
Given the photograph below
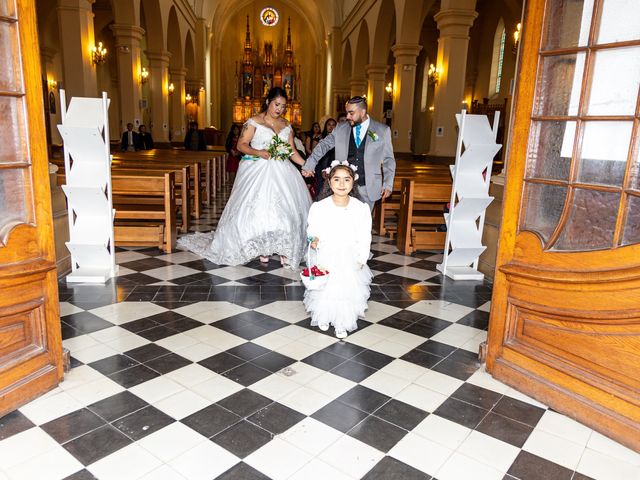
263, 154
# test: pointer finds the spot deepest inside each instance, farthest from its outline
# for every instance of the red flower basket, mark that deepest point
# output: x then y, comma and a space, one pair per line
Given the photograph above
313, 277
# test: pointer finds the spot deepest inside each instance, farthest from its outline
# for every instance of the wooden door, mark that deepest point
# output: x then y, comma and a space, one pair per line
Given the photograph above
30, 343
565, 320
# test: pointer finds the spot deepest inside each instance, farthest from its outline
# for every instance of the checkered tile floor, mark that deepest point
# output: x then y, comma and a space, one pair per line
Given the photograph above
183, 369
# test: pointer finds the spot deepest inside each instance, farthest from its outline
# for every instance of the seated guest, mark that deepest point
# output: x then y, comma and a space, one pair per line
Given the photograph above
129, 139
145, 141
194, 139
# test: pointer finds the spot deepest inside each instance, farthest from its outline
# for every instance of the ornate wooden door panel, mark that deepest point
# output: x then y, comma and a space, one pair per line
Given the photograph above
30, 344
565, 320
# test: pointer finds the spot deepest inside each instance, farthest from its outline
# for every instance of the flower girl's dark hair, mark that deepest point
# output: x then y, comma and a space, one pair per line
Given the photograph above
274, 93
326, 188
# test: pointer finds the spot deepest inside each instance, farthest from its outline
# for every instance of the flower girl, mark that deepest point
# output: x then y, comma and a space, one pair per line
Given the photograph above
339, 226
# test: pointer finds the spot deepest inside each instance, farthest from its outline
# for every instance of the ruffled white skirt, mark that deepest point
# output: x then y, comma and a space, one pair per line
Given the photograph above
343, 299
266, 214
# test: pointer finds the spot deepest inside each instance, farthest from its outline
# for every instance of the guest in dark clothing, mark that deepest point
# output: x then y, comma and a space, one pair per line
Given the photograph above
145, 141
194, 139
129, 141
325, 161
233, 159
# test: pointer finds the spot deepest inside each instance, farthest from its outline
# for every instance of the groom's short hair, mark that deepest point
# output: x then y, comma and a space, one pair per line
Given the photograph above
358, 100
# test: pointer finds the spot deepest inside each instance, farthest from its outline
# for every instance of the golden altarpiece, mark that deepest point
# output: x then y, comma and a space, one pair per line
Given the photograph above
258, 72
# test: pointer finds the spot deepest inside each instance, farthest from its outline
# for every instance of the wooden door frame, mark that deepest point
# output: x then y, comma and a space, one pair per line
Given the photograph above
523, 265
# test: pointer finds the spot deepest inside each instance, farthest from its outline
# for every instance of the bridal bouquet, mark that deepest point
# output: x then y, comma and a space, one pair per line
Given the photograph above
279, 149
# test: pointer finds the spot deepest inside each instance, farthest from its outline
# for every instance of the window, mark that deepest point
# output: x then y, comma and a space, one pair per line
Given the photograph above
499, 40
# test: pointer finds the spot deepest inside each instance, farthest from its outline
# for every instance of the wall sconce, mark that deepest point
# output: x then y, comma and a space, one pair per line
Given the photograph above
202, 89
434, 74
171, 89
516, 38
187, 98
144, 75
52, 84
98, 54
389, 88
432, 108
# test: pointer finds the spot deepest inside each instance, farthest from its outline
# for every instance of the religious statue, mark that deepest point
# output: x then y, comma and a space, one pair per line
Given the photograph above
287, 88
266, 79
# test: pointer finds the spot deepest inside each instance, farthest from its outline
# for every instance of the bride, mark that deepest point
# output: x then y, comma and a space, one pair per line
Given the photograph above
267, 209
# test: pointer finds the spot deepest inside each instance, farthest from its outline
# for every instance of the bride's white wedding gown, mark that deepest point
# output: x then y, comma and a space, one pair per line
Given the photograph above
266, 212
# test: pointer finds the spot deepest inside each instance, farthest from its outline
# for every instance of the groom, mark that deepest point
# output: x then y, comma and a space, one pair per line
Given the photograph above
364, 143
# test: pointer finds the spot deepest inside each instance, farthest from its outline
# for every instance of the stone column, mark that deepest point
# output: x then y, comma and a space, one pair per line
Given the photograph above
404, 81
358, 86
75, 20
335, 47
129, 67
177, 104
375, 89
454, 25
159, 87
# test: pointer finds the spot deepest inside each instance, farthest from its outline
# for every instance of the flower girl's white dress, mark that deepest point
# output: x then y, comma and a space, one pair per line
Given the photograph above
266, 212
343, 249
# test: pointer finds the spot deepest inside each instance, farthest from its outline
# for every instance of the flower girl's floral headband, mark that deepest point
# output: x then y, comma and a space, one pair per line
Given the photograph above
344, 163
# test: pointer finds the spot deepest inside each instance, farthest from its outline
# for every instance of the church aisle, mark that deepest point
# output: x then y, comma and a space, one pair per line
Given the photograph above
183, 369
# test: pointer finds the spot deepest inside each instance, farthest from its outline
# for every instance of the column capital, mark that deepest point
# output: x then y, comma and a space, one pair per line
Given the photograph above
48, 54
178, 73
125, 34
160, 58
406, 53
75, 4
194, 84
455, 22
376, 69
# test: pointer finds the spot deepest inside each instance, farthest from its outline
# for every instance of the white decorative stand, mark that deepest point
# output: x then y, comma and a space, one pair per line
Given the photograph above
469, 196
87, 163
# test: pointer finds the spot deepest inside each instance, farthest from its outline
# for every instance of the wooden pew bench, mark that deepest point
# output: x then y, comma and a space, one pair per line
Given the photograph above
147, 217
417, 226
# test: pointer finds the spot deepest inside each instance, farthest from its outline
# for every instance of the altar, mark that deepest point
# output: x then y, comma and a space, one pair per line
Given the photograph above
259, 71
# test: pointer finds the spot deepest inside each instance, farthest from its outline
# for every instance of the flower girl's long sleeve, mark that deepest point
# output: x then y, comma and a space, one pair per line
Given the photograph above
313, 220
363, 235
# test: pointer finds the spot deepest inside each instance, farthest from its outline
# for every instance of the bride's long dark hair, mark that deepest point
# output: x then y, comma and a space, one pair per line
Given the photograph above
326, 188
274, 93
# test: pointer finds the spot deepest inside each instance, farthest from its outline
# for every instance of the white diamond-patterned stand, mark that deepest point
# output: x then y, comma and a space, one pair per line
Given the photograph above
469, 196
87, 162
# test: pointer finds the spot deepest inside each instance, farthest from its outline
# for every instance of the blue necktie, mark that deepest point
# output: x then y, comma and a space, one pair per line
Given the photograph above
358, 127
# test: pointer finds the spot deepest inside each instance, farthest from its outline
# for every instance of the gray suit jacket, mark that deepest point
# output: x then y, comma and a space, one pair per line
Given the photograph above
378, 155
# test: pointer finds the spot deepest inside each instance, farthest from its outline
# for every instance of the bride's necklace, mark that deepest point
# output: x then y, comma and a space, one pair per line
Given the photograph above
270, 124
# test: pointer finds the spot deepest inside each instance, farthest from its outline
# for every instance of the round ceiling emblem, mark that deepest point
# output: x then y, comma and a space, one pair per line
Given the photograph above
269, 16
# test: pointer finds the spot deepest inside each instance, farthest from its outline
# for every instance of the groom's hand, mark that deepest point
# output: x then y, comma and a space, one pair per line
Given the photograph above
386, 193
307, 173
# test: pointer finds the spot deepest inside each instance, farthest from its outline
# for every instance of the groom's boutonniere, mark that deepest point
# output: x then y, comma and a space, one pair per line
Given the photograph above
373, 135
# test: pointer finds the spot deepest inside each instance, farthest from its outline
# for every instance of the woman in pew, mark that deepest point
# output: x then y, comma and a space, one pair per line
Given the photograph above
267, 209
145, 141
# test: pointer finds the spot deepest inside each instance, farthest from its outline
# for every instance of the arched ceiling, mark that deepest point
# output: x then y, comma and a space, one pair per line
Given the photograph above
320, 14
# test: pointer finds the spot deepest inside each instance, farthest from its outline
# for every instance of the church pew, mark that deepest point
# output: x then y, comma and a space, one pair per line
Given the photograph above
168, 157
386, 208
416, 226
143, 186
213, 165
188, 196
195, 172
182, 194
